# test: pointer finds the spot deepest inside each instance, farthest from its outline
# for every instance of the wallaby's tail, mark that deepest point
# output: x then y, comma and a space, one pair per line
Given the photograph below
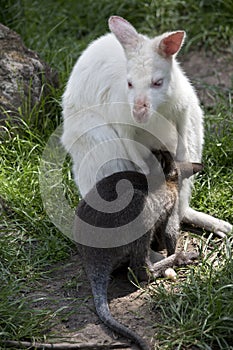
99, 291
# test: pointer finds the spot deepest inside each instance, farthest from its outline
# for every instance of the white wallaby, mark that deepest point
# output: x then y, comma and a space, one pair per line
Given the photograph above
126, 95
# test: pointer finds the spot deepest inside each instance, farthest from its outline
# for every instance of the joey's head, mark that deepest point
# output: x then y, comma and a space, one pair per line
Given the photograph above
149, 66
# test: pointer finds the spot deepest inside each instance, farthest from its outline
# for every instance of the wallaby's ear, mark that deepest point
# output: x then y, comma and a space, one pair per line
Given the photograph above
197, 167
171, 43
124, 31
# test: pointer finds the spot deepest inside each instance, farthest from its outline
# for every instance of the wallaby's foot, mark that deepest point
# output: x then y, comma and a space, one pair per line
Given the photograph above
207, 222
178, 259
183, 259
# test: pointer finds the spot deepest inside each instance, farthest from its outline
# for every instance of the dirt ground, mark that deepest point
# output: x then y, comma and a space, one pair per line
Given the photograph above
209, 74
127, 303
67, 289
67, 284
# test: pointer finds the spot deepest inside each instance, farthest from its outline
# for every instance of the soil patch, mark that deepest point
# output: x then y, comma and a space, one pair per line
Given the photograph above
67, 288
210, 73
67, 292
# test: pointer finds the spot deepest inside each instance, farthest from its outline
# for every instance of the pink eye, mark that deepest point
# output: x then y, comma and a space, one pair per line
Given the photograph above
130, 85
156, 83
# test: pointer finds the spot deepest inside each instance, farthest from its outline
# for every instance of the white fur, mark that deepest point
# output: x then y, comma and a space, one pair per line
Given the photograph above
98, 105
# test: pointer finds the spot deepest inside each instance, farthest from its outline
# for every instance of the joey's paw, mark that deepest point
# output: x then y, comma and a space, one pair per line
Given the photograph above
183, 259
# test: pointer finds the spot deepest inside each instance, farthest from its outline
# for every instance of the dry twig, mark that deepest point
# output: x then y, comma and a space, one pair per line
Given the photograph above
64, 345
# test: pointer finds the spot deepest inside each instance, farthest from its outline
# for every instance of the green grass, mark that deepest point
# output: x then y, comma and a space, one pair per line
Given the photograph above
214, 189
198, 310
29, 242
59, 30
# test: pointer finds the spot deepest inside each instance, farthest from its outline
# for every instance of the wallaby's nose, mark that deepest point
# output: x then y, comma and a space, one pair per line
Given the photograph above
141, 102
141, 109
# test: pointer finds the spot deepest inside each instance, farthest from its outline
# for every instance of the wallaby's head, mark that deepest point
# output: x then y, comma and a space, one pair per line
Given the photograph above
174, 170
149, 66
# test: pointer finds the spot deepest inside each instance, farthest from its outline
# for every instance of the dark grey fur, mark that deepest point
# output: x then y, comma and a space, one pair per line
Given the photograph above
100, 262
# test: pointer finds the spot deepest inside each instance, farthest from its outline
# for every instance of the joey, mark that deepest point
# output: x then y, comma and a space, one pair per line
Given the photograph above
156, 203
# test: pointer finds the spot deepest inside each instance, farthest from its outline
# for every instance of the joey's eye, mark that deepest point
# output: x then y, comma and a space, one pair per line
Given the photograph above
130, 85
163, 163
156, 83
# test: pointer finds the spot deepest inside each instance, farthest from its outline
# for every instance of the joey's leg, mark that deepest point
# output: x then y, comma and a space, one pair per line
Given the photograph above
165, 236
139, 257
199, 219
178, 259
172, 231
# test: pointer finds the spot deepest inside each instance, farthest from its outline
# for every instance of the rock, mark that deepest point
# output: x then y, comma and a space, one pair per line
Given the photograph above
23, 76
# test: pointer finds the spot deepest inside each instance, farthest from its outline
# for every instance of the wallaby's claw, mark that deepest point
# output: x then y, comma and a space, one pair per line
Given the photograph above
223, 229
220, 234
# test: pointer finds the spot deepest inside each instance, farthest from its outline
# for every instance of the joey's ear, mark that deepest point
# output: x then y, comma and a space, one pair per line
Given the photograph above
171, 43
188, 169
197, 167
124, 31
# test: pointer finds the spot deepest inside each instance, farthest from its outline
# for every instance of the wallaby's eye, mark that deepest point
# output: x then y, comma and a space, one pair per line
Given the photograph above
130, 85
156, 83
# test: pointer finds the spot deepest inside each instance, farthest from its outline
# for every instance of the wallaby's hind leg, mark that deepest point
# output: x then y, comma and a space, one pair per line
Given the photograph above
207, 222
199, 219
139, 256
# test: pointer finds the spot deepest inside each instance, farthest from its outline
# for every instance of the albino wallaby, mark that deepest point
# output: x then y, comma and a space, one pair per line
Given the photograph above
160, 199
128, 90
